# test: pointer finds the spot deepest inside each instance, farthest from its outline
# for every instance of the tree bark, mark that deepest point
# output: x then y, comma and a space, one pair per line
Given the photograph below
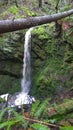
40, 3
18, 24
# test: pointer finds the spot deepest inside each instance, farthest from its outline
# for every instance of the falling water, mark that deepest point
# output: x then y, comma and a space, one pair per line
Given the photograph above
23, 97
26, 80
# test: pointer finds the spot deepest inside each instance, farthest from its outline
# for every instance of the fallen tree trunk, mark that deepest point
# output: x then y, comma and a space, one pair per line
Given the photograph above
13, 25
62, 109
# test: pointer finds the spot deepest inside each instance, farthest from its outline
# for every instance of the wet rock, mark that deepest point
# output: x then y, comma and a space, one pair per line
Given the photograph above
3, 101
18, 101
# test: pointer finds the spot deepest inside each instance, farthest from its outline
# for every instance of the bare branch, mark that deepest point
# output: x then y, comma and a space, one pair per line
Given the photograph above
41, 122
18, 24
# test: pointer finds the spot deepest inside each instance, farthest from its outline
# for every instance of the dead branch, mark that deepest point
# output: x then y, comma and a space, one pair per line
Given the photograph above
18, 24
41, 122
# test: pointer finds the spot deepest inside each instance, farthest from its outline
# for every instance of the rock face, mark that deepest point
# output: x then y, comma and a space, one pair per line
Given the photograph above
52, 63
11, 61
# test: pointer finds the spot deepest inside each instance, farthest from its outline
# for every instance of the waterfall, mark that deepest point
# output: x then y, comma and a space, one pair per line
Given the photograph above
26, 80
23, 97
19, 99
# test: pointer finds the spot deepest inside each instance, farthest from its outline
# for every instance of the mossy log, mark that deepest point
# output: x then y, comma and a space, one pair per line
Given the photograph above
61, 109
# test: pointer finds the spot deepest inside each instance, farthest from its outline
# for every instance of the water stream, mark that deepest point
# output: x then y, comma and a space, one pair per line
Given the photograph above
23, 97
26, 80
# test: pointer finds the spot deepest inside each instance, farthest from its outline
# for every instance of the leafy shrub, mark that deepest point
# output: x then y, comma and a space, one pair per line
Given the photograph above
38, 126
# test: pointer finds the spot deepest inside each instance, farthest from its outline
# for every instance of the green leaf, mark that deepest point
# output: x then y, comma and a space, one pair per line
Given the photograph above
3, 112
41, 108
38, 126
34, 107
67, 128
18, 118
8, 123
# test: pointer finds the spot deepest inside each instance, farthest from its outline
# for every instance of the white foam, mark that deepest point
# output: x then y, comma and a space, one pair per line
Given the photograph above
23, 98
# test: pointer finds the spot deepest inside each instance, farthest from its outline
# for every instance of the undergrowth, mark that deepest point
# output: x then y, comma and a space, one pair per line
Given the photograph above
10, 119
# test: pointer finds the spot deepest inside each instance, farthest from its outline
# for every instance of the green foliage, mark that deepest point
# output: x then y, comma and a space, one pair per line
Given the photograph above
28, 11
62, 109
38, 126
41, 32
36, 111
38, 108
54, 70
2, 113
14, 10
8, 124
67, 128
34, 108
2, 100
41, 108
9, 84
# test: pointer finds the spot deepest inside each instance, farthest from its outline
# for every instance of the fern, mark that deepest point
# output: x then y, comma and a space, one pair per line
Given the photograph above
20, 117
9, 127
41, 108
9, 123
38, 126
34, 108
3, 112
36, 111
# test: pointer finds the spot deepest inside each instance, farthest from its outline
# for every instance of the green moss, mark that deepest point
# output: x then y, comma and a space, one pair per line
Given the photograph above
28, 11
14, 10
53, 71
3, 14
9, 84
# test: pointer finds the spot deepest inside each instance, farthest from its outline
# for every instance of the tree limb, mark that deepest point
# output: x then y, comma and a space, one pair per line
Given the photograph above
18, 24
41, 122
